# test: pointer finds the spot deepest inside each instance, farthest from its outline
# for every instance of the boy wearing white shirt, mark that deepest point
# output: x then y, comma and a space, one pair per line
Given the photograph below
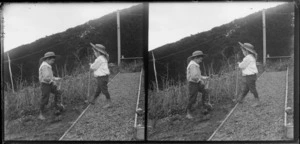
101, 72
249, 72
48, 83
195, 81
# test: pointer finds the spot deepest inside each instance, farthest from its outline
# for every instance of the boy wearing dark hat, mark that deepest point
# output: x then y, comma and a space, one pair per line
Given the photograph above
48, 83
101, 72
249, 72
195, 81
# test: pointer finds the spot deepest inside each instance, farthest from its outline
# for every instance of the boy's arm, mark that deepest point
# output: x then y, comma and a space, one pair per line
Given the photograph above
96, 64
246, 61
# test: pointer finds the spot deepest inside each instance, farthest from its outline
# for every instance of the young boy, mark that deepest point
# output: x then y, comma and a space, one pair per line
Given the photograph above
101, 72
195, 81
48, 83
249, 71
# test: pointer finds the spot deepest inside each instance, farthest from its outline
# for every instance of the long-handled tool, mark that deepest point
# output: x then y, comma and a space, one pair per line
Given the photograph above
61, 96
89, 81
93, 47
207, 87
236, 79
59, 88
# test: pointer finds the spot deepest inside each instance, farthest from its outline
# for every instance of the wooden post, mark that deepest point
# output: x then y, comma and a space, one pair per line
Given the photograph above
119, 37
9, 67
155, 71
264, 36
21, 73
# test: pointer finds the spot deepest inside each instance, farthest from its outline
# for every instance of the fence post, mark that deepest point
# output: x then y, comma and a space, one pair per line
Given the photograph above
119, 37
155, 71
236, 79
12, 83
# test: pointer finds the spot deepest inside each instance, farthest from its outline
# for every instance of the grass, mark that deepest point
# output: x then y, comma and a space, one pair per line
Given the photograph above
25, 101
279, 64
173, 97
133, 66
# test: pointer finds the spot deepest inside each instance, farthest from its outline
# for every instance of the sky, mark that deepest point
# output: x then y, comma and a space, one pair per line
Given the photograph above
27, 22
170, 22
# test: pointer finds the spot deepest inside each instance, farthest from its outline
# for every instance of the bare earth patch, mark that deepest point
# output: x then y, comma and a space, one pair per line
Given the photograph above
264, 122
114, 123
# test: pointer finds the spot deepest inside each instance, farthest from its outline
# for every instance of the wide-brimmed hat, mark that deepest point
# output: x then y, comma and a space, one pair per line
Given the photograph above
197, 53
49, 54
100, 48
249, 47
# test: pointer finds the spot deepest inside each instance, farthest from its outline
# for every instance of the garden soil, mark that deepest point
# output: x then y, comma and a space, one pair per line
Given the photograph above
112, 124
264, 122
115, 123
179, 128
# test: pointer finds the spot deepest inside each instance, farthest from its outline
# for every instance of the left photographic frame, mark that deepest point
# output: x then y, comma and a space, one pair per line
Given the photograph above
73, 71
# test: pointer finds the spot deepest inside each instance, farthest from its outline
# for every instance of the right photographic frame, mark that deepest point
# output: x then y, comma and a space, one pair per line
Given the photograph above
222, 71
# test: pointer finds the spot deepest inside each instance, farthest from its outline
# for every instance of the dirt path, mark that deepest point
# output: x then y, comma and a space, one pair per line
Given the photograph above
115, 123
290, 97
258, 123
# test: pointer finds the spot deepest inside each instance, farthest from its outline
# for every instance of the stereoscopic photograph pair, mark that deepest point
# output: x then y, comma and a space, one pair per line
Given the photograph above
150, 72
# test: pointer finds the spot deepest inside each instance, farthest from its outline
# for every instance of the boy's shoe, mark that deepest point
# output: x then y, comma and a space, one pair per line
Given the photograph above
208, 106
256, 103
41, 117
108, 105
189, 116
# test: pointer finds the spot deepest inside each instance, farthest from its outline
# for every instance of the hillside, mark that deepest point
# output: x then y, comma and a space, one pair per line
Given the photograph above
73, 44
220, 43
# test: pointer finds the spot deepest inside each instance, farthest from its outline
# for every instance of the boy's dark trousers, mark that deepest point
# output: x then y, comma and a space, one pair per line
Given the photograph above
102, 87
46, 90
194, 88
248, 84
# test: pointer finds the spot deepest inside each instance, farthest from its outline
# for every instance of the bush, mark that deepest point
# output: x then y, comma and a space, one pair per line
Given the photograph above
131, 66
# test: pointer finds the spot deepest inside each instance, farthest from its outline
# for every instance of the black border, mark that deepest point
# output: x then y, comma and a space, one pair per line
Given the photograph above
296, 72
145, 59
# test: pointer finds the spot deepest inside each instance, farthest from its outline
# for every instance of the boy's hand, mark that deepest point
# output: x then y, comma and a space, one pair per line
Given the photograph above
53, 82
200, 81
57, 78
205, 77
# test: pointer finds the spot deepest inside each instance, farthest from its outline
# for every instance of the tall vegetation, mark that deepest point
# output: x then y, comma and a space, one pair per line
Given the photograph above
25, 101
173, 97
